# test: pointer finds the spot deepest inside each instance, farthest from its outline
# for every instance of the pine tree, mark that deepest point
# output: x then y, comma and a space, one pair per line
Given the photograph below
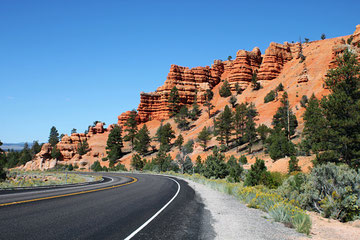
131, 128
238, 89
254, 82
263, 132
239, 121
257, 175
208, 97
215, 165
142, 140
284, 119
225, 90
164, 134
181, 118
323, 36
179, 142
136, 162
36, 148
234, 168
315, 130
83, 147
233, 101
199, 166
55, 153
341, 109
114, 144
250, 128
2, 163
195, 112
73, 130
174, 101
54, 136
26, 155
203, 137
279, 145
224, 126
293, 165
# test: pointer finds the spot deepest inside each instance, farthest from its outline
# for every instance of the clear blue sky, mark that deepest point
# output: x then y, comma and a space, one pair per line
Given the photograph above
67, 63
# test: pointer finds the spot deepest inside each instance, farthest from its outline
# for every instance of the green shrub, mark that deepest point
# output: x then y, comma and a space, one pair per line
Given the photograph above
96, 166
280, 88
270, 96
243, 159
225, 90
332, 190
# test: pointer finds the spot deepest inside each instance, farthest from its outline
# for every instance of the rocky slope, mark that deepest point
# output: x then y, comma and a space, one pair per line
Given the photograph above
281, 63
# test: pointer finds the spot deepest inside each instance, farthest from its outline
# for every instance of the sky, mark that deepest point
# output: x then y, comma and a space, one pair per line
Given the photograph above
67, 63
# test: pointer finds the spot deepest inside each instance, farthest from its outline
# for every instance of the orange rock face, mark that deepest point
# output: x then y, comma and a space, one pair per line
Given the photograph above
189, 82
243, 67
124, 117
275, 58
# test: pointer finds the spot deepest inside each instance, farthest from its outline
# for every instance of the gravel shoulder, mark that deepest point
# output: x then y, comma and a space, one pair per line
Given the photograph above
231, 219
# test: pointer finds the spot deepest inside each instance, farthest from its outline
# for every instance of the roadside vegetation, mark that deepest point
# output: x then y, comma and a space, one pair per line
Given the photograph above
38, 178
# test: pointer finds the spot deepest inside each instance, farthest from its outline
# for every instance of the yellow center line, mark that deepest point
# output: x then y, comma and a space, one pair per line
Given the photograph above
69, 194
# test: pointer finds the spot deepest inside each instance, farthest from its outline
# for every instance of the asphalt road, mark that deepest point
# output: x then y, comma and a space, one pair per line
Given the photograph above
114, 209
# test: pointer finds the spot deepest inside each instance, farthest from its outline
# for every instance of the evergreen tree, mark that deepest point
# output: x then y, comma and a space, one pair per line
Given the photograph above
215, 165
183, 155
204, 136
142, 140
36, 148
238, 89
315, 130
323, 36
293, 165
54, 136
26, 155
131, 128
188, 165
55, 153
234, 168
136, 162
239, 121
2, 163
284, 119
163, 161
225, 90
174, 101
341, 109
164, 134
208, 97
83, 147
195, 112
181, 118
96, 166
243, 160
224, 126
199, 167
179, 142
257, 175
254, 82
250, 128
73, 130
279, 146
114, 144
263, 132
233, 101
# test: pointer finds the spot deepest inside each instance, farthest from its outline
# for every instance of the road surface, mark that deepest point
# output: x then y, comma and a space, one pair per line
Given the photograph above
135, 206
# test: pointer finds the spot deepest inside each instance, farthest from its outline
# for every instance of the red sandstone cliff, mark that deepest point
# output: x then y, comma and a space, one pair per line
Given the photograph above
279, 64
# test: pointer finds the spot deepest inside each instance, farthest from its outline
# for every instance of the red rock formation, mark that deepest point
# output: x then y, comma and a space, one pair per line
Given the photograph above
189, 82
303, 77
275, 58
124, 117
243, 67
356, 36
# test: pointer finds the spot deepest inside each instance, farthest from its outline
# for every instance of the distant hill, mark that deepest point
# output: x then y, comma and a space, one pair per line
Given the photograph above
14, 146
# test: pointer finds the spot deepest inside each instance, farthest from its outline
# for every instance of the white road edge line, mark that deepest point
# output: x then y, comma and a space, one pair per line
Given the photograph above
156, 214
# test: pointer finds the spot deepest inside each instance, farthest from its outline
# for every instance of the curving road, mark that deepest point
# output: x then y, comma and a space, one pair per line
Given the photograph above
135, 206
